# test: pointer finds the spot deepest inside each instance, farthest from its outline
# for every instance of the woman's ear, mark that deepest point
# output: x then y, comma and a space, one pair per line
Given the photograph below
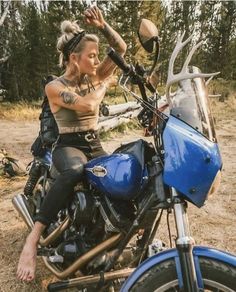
74, 58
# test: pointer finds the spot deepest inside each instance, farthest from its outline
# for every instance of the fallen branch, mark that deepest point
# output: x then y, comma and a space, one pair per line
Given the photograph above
214, 95
113, 122
111, 110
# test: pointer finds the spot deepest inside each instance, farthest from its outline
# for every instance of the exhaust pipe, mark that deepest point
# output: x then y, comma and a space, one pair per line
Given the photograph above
85, 281
21, 205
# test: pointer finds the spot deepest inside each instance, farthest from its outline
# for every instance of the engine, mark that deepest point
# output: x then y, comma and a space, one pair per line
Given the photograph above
83, 209
87, 210
94, 218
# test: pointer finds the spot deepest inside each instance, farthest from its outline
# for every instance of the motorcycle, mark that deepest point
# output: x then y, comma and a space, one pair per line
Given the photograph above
105, 239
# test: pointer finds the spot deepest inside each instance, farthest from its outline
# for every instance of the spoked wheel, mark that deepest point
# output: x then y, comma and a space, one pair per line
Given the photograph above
217, 277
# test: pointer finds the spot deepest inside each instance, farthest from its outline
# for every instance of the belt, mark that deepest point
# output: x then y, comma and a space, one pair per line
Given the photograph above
87, 135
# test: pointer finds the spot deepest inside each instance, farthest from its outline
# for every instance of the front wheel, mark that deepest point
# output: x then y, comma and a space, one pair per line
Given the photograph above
216, 275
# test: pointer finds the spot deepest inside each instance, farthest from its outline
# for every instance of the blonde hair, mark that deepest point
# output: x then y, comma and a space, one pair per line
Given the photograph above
69, 30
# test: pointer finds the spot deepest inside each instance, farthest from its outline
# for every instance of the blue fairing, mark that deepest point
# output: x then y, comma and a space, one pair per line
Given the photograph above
191, 161
198, 251
119, 176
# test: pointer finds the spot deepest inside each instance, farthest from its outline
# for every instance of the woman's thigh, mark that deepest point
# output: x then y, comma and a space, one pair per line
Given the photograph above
65, 158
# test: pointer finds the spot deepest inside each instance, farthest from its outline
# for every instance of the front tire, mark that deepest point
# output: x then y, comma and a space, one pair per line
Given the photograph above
217, 276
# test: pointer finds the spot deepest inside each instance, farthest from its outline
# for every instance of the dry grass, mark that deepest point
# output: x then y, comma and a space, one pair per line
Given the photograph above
223, 106
19, 111
116, 96
223, 87
223, 109
28, 111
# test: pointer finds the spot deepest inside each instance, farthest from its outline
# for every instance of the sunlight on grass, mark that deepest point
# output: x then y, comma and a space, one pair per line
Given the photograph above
221, 106
19, 111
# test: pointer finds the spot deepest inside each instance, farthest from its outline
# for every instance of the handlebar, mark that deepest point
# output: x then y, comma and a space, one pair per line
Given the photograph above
129, 70
118, 60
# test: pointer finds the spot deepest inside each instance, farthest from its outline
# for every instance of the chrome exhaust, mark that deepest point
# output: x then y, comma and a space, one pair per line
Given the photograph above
85, 258
20, 204
85, 281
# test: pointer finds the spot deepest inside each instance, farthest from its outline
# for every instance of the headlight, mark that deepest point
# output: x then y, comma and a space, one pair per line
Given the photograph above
215, 185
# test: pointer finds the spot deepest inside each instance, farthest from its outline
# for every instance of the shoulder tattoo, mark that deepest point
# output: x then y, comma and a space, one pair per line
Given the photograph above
68, 97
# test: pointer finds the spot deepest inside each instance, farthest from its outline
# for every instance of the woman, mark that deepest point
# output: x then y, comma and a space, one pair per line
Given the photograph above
74, 100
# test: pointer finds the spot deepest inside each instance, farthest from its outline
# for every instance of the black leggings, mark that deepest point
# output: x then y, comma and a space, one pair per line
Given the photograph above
70, 154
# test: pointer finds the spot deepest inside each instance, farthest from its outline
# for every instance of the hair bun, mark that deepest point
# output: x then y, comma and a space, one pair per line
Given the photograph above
70, 27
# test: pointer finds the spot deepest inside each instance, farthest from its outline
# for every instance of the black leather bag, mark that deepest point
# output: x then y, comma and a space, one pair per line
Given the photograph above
48, 126
37, 148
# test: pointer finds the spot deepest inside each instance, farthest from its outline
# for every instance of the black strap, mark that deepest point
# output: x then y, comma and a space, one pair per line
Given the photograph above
101, 282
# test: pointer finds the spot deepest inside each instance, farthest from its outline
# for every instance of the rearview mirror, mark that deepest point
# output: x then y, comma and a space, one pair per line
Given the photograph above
148, 35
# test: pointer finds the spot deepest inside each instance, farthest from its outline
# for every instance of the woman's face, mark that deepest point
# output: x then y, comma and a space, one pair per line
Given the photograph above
88, 59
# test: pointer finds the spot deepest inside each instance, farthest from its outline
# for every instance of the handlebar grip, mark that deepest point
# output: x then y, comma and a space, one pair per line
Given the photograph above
118, 60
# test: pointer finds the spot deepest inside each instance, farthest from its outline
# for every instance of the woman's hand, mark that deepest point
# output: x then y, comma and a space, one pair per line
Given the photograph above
94, 17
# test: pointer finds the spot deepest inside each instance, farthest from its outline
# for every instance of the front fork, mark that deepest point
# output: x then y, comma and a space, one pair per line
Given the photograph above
184, 245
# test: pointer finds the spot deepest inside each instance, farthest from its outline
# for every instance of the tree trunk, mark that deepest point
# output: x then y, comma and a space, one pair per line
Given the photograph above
4, 13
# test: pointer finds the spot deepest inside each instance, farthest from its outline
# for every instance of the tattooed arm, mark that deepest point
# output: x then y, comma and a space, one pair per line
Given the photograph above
59, 96
107, 66
95, 18
114, 39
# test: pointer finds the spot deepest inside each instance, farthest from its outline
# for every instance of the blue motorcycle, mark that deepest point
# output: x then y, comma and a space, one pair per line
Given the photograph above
107, 233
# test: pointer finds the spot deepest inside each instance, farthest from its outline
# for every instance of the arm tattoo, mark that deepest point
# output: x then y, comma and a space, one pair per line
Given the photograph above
68, 97
113, 37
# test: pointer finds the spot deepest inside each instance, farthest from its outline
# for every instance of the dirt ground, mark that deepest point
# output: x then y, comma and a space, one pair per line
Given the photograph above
213, 225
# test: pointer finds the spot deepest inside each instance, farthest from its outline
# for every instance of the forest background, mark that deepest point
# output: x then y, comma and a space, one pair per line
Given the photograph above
30, 30
28, 34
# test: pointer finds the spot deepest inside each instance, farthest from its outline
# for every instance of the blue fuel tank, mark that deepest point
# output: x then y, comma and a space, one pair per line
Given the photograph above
119, 176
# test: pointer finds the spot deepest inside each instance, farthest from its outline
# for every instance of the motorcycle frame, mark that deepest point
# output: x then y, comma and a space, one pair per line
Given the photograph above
184, 243
186, 255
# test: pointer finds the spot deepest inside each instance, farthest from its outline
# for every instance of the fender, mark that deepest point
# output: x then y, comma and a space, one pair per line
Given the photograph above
198, 251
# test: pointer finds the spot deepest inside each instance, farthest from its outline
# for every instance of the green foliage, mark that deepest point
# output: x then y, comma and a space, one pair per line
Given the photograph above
30, 31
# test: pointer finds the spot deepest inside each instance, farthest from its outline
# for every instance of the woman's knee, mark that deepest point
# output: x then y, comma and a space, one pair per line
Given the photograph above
73, 174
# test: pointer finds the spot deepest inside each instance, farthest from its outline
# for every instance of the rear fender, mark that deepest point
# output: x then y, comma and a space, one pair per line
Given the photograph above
198, 251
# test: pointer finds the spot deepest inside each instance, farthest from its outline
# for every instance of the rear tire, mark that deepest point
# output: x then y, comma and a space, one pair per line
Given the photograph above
217, 276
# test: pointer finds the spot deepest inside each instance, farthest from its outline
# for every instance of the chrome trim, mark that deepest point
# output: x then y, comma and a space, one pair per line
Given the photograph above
19, 202
182, 225
185, 240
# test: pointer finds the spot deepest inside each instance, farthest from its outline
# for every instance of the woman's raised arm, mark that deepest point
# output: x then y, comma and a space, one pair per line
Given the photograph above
94, 17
